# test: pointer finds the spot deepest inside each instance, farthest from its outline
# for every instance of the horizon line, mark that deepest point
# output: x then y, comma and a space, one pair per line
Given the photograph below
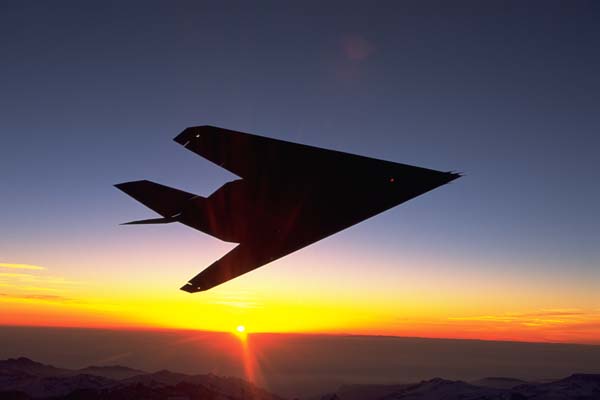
305, 333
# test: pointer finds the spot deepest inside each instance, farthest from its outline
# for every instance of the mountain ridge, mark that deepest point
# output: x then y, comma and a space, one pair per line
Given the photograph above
579, 386
22, 378
25, 379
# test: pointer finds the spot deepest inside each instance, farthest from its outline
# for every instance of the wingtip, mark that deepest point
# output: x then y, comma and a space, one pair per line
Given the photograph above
183, 137
127, 187
188, 287
188, 133
122, 186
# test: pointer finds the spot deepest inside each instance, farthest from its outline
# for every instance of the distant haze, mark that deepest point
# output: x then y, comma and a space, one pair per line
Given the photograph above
294, 365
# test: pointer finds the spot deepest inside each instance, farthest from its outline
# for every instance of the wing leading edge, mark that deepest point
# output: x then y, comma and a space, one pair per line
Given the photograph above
257, 157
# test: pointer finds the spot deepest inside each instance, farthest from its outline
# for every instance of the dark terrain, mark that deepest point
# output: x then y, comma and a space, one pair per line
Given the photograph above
24, 379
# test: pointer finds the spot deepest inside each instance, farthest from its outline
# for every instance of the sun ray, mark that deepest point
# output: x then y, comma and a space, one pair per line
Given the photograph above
248, 359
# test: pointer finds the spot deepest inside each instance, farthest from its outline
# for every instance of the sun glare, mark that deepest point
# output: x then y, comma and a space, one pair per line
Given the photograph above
241, 333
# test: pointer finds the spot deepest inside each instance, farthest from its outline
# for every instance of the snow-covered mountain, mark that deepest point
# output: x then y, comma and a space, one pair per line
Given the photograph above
113, 371
228, 386
27, 366
499, 382
574, 387
24, 379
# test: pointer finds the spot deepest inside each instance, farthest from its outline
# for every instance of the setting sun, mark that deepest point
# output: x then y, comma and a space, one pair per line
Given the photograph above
241, 328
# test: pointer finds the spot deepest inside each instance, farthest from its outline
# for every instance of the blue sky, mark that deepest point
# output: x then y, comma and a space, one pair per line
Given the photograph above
508, 93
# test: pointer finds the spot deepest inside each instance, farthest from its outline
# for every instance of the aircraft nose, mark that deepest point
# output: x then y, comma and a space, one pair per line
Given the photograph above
442, 178
450, 176
431, 179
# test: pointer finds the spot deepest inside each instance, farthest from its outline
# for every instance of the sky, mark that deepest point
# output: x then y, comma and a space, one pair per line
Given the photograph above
506, 92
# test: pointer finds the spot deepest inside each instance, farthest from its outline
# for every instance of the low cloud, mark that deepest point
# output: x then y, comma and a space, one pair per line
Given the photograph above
239, 304
555, 312
15, 275
23, 282
22, 266
50, 298
543, 317
22, 277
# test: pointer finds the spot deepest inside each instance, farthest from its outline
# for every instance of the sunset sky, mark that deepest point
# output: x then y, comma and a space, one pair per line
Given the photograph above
508, 94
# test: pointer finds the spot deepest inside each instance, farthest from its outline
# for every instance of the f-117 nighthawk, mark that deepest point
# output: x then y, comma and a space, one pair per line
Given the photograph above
289, 196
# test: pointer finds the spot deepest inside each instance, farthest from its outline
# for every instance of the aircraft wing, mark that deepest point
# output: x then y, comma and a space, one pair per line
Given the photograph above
260, 158
241, 259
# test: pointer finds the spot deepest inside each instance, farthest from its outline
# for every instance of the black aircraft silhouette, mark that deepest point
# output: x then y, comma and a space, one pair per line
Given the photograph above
290, 195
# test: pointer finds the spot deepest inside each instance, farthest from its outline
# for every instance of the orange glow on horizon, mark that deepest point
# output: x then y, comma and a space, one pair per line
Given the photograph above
575, 326
316, 302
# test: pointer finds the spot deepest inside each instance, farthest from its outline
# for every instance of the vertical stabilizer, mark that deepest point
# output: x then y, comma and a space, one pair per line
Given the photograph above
165, 200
